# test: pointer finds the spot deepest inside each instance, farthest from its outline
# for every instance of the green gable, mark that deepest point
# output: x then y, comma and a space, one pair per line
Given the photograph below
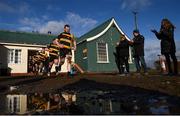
108, 32
25, 38
95, 31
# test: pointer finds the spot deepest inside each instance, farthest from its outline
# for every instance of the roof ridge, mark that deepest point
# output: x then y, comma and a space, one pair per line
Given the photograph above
25, 38
24, 32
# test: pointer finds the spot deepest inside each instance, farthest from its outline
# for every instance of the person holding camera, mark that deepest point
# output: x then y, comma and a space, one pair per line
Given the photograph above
168, 47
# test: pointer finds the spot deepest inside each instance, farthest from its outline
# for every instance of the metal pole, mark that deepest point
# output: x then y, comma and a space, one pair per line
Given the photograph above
135, 19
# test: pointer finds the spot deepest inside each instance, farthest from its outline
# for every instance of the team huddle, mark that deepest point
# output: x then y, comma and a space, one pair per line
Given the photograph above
51, 58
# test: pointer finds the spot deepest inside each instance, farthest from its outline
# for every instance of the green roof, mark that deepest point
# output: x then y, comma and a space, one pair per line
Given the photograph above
25, 38
95, 31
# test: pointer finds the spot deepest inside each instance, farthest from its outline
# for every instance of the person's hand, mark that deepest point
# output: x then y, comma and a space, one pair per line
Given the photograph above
117, 43
131, 41
154, 31
74, 48
61, 46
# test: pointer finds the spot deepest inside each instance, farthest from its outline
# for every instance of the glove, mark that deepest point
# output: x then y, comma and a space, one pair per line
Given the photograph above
154, 31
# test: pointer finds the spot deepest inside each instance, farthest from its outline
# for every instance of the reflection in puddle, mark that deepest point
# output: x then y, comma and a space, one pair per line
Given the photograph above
159, 106
17, 103
38, 103
85, 102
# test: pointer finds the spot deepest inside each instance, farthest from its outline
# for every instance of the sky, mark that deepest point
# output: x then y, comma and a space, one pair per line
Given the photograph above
84, 15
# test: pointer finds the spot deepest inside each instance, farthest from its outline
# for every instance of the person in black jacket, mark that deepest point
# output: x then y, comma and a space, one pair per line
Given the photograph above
138, 47
122, 54
168, 47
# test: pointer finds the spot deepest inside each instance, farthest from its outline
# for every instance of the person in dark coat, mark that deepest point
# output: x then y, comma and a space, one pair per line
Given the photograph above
122, 54
138, 47
168, 47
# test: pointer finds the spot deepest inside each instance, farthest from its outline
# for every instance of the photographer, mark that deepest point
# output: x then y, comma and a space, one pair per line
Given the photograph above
168, 47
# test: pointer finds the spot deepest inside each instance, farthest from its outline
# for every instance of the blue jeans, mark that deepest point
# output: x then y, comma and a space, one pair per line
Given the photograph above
137, 60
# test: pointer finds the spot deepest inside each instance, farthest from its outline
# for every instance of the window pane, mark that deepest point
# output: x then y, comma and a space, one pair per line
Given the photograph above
102, 52
17, 56
14, 56
15, 104
10, 55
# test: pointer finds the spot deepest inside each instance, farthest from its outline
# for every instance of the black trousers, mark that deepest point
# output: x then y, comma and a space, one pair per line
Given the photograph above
122, 60
168, 61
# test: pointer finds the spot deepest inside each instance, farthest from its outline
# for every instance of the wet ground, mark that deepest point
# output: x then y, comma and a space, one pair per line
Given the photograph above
90, 94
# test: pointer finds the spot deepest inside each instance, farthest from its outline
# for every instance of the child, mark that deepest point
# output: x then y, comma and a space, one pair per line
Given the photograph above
73, 67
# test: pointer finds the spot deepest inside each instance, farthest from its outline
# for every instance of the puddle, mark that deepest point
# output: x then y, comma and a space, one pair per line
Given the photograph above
86, 102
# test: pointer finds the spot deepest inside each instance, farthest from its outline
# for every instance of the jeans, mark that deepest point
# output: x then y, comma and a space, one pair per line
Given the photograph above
137, 60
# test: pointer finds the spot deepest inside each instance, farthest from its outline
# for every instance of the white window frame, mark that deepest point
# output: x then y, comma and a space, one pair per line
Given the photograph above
12, 105
12, 58
107, 53
130, 56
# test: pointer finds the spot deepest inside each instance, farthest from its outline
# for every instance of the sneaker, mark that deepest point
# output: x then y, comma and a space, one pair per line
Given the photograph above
121, 75
146, 73
40, 73
69, 74
57, 73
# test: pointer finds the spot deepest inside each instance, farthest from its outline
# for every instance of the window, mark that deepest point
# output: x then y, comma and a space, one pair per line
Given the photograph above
102, 53
14, 56
13, 103
85, 53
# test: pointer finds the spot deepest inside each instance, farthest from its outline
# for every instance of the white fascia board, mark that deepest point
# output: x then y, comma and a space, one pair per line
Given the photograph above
120, 30
100, 34
28, 45
106, 29
80, 42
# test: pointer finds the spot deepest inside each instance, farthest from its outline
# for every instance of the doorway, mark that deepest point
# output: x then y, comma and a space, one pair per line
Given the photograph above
31, 53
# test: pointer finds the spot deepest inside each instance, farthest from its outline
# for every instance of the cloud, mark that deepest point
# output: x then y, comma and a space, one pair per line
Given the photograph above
23, 7
152, 49
53, 26
33, 22
45, 17
25, 29
135, 4
14, 8
6, 8
49, 7
52, 8
79, 25
178, 48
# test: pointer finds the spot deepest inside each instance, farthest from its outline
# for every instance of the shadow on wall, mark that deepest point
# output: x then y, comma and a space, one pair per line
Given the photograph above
4, 69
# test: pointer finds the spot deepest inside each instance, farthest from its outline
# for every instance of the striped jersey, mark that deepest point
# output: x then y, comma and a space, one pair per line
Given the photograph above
66, 39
